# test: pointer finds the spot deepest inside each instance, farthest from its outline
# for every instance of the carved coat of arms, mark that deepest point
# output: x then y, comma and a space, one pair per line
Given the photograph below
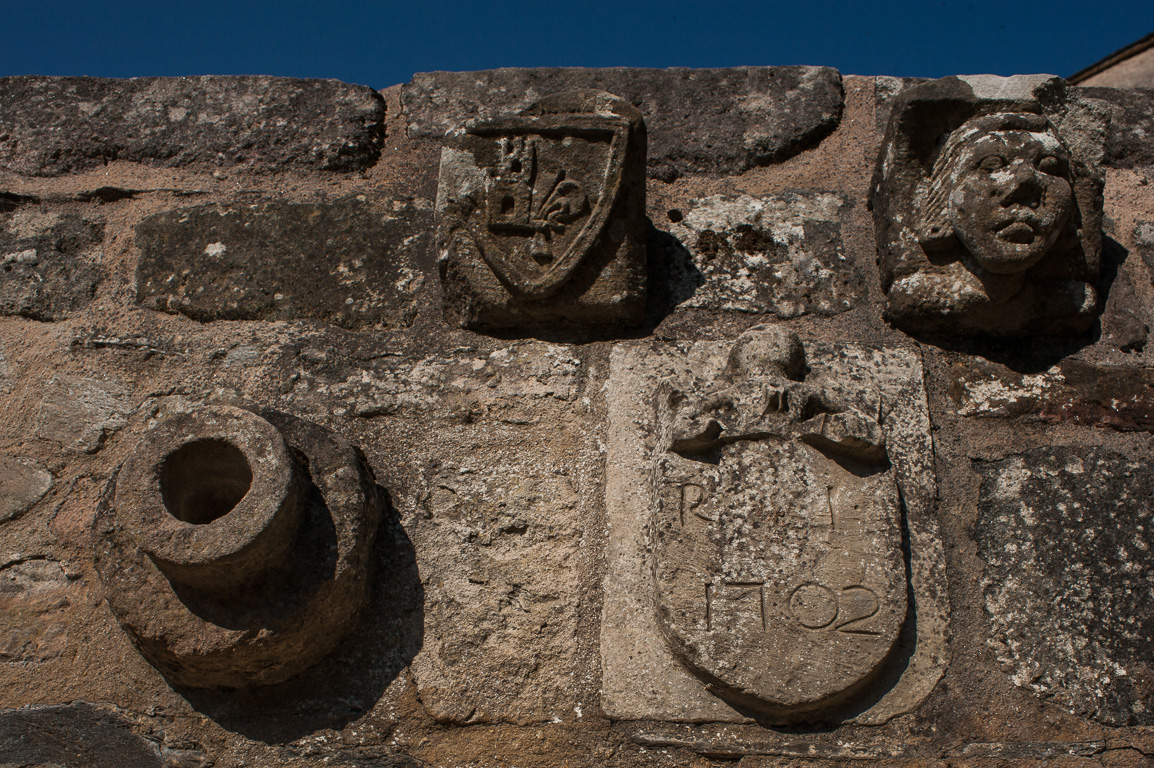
541, 215
778, 565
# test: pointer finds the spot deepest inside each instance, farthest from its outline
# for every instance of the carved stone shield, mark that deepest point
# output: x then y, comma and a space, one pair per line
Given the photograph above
541, 214
779, 574
548, 195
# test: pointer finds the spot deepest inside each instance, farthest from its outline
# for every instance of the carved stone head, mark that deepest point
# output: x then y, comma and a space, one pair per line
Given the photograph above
987, 205
1002, 185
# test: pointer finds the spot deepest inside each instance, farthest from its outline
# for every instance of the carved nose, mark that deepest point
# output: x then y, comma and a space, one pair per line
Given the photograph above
1024, 188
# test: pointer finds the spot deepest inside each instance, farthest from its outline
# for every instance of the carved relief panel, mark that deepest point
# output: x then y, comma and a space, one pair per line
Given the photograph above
541, 216
788, 568
987, 204
778, 562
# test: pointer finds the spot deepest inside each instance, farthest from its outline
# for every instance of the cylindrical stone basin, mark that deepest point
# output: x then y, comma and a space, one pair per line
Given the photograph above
213, 497
234, 545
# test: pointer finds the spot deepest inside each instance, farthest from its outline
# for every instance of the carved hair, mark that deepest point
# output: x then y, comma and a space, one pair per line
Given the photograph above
933, 228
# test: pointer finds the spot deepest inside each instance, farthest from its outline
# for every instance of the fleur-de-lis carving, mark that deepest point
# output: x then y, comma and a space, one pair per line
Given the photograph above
514, 204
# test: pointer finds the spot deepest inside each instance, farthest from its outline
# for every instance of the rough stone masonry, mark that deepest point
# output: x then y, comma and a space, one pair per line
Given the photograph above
571, 418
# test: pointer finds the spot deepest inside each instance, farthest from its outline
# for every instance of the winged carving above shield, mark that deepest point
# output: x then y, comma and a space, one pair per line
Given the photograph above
779, 573
541, 214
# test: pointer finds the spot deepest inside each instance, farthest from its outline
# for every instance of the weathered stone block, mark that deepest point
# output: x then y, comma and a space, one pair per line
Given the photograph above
80, 413
492, 465
1073, 391
82, 735
352, 262
541, 216
36, 596
1066, 536
1144, 240
716, 574
1131, 126
501, 538
23, 482
508, 384
779, 255
48, 262
987, 205
5, 373
498, 512
699, 120
56, 125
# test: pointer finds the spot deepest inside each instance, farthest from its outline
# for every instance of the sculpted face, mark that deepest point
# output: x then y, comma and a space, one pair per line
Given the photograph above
1009, 196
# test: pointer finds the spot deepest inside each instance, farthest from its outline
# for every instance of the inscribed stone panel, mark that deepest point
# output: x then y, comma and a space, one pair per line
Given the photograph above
852, 401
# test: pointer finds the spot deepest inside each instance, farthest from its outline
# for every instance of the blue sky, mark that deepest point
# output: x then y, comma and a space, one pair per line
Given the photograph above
383, 43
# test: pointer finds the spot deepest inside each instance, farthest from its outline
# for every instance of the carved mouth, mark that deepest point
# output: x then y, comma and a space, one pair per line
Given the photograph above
1018, 232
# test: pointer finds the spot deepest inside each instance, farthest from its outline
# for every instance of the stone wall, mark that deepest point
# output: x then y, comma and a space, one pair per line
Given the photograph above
694, 499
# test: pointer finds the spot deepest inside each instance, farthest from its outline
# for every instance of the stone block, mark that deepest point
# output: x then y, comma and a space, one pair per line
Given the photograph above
36, 596
5, 373
1144, 241
1073, 391
56, 125
81, 735
1131, 125
508, 384
492, 466
700, 467
541, 216
778, 255
80, 413
352, 262
987, 204
1065, 535
48, 262
23, 482
501, 540
699, 120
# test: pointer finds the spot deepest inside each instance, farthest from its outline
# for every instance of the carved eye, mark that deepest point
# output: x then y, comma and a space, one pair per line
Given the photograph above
1049, 164
992, 162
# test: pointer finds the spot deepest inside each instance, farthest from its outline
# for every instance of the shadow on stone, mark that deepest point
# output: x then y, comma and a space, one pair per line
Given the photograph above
259, 604
10, 201
1120, 321
672, 278
1029, 356
78, 735
350, 680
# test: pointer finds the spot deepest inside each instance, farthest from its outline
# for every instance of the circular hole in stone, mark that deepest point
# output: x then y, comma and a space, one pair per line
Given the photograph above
675, 215
203, 480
